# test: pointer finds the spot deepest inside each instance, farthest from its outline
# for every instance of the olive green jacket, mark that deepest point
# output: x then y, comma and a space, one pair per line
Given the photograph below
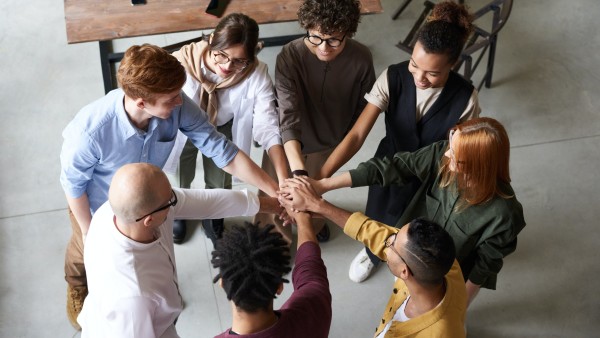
483, 234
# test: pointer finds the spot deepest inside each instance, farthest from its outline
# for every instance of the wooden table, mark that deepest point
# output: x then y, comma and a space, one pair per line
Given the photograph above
106, 20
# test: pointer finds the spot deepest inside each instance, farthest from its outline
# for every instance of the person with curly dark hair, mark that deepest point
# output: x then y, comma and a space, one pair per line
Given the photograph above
422, 99
252, 262
320, 81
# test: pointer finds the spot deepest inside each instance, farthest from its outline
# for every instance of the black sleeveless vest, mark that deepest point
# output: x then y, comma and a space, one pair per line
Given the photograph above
404, 133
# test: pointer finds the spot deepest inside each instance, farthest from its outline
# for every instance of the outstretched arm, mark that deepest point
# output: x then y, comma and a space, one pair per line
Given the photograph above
293, 152
472, 291
245, 169
300, 195
306, 232
277, 156
80, 207
352, 142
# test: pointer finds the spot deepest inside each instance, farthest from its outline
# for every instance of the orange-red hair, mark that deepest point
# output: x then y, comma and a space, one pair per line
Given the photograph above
482, 152
147, 71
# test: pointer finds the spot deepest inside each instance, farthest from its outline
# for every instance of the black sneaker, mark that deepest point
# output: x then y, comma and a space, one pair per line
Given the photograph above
179, 231
214, 229
324, 234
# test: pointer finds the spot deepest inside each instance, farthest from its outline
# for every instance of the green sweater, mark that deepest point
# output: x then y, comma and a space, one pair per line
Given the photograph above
483, 234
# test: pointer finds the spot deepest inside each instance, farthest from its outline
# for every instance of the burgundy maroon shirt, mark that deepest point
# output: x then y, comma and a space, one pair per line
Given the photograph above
308, 311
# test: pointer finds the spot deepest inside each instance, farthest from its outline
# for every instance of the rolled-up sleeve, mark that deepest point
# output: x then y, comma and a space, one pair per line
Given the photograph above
287, 97
371, 233
266, 118
193, 123
78, 158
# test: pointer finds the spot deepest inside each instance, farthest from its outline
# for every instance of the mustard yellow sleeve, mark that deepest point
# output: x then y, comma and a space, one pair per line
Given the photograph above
371, 233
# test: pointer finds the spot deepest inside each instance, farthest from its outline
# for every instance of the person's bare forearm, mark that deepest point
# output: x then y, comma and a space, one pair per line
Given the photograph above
269, 205
277, 156
335, 214
352, 142
245, 169
472, 291
306, 232
80, 207
343, 180
293, 151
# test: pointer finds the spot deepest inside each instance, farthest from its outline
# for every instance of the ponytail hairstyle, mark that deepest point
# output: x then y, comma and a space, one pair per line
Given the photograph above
446, 30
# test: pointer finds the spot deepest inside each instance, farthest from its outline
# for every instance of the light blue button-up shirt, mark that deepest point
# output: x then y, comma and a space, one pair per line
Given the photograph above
101, 139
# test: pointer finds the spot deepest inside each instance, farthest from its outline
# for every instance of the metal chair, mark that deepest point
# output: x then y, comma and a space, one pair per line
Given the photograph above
405, 4
483, 40
480, 42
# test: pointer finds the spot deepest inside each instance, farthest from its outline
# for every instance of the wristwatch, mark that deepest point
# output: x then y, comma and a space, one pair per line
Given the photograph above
300, 172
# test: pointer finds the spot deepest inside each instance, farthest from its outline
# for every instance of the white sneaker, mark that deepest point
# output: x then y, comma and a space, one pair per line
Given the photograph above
361, 267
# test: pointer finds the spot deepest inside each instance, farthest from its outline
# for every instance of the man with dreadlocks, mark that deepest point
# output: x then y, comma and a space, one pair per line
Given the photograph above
252, 262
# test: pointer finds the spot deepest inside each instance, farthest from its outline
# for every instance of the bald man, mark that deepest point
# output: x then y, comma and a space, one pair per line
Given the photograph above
129, 255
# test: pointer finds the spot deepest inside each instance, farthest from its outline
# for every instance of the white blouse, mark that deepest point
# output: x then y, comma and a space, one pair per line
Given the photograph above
251, 103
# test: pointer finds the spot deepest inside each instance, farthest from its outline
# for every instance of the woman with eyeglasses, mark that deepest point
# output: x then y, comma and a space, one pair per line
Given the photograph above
465, 188
234, 88
422, 98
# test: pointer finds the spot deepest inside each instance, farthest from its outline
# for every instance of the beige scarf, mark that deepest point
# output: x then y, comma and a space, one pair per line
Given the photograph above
191, 57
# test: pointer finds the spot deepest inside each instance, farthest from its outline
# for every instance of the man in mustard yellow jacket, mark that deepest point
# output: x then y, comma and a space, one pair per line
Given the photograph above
429, 297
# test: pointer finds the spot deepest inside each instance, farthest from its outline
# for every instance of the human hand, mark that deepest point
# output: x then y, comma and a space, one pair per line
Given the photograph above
286, 216
299, 194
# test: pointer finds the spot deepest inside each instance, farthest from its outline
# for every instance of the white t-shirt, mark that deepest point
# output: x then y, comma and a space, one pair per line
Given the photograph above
133, 290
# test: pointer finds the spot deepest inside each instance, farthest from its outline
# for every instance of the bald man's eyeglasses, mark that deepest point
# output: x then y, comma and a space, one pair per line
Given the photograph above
172, 202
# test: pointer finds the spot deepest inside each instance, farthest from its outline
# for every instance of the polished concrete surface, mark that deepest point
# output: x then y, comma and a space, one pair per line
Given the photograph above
545, 91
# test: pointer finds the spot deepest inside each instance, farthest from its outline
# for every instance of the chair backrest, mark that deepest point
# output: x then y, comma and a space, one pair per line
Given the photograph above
501, 10
483, 39
478, 43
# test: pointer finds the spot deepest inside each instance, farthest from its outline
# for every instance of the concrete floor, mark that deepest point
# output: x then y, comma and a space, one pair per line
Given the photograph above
545, 91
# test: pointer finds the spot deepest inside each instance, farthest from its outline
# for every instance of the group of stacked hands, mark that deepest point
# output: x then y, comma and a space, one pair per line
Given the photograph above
449, 224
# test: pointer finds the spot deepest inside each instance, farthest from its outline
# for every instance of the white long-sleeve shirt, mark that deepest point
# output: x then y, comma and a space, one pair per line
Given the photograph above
251, 104
133, 290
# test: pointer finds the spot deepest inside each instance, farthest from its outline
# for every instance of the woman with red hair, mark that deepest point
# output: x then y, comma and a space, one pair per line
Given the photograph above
465, 188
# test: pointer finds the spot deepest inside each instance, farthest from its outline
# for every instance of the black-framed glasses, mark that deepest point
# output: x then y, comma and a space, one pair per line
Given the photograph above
317, 40
237, 64
389, 243
172, 202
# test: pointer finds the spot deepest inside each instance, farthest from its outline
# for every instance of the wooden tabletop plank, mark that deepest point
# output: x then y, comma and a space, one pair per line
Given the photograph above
96, 20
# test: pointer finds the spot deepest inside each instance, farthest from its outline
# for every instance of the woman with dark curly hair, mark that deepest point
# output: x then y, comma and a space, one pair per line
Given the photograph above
320, 81
423, 98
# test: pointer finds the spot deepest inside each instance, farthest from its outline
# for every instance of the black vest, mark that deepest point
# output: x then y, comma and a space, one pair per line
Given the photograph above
404, 133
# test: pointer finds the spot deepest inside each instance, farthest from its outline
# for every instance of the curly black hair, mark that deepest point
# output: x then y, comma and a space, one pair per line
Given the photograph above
252, 261
330, 16
432, 251
446, 30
